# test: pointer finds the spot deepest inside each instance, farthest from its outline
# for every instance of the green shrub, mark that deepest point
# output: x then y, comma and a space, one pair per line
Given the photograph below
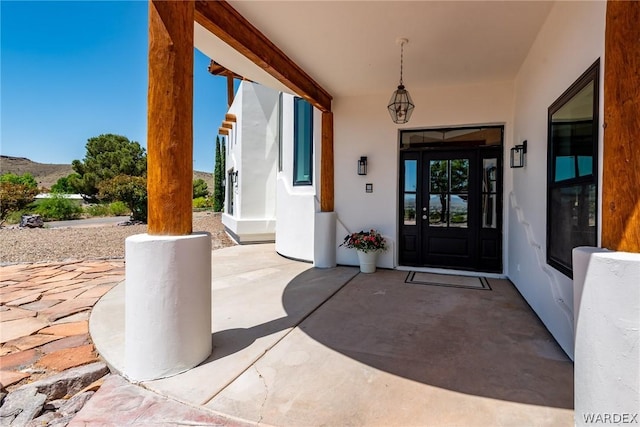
97, 210
202, 203
57, 207
119, 208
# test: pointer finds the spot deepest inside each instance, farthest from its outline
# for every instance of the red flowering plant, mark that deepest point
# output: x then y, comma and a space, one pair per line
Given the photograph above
365, 241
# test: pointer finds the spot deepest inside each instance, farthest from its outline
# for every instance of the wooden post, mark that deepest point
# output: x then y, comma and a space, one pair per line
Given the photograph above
326, 167
621, 164
170, 118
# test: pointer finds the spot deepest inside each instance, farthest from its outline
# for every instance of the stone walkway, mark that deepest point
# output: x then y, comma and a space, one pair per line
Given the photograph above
44, 317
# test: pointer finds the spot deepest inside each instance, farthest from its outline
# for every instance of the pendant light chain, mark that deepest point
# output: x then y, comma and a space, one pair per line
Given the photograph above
401, 61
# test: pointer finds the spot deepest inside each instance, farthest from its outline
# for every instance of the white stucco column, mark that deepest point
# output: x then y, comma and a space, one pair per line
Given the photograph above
324, 250
607, 333
167, 304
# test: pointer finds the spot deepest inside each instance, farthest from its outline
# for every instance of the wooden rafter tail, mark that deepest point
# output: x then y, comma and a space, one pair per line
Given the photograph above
227, 125
223, 131
230, 118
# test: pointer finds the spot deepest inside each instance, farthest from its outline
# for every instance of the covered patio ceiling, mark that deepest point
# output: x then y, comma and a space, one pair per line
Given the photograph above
349, 47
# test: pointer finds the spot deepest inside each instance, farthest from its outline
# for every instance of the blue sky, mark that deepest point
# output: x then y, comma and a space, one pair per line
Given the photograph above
73, 70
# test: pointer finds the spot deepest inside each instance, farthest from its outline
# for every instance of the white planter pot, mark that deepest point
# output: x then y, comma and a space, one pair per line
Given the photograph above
367, 261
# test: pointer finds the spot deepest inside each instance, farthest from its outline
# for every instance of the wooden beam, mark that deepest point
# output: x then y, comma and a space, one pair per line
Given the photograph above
230, 118
223, 131
230, 92
227, 125
170, 118
326, 165
621, 164
222, 20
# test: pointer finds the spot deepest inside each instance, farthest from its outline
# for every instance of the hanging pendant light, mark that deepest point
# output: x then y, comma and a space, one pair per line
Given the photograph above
401, 105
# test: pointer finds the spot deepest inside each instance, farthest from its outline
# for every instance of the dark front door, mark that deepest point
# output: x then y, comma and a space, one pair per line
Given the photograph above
452, 205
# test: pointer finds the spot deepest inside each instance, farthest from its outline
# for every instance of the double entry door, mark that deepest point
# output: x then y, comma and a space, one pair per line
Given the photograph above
451, 208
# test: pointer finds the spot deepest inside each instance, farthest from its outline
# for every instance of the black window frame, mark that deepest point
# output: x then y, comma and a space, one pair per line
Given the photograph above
297, 104
592, 75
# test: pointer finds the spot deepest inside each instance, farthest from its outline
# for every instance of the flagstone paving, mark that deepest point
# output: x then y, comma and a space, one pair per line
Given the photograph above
44, 312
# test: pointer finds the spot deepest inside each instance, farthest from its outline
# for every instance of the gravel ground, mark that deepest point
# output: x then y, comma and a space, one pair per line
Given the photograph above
25, 245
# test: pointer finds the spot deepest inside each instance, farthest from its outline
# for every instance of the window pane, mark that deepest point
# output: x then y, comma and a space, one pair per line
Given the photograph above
410, 175
573, 137
459, 175
489, 175
573, 213
439, 176
409, 209
438, 210
489, 213
585, 165
565, 168
458, 211
303, 142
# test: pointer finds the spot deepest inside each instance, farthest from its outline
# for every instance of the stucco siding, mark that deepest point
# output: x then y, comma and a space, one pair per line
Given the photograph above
571, 39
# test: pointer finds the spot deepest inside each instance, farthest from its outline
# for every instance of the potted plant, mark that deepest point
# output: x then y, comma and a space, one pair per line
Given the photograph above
367, 244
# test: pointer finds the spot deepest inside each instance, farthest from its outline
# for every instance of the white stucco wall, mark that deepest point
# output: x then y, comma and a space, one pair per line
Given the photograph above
362, 127
296, 205
254, 153
571, 39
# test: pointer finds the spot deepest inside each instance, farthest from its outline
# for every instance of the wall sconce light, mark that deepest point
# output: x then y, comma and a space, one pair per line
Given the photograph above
517, 155
362, 165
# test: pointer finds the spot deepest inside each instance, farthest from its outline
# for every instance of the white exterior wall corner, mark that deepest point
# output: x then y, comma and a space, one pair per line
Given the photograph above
362, 127
254, 155
570, 40
296, 205
233, 161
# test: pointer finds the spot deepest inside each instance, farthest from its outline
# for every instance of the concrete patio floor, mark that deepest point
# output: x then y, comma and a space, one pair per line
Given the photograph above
294, 345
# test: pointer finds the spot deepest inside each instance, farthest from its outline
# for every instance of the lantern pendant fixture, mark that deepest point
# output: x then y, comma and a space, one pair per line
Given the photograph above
401, 105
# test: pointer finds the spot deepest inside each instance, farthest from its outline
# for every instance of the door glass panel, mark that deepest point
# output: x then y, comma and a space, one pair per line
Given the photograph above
409, 209
489, 211
438, 176
438, 210
489, 188
458, 211
410, 175
410, 188
459, 175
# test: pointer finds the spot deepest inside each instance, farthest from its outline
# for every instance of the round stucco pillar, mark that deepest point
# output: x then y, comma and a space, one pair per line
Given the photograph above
324, 246
607, 315
167, 304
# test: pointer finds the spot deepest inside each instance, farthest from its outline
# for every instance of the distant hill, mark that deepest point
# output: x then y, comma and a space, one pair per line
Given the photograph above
48, 174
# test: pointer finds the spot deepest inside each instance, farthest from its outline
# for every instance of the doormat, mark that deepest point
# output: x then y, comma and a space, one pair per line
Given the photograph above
418, 278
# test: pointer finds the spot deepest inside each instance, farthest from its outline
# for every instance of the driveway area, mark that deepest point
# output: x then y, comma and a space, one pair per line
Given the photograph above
295, 345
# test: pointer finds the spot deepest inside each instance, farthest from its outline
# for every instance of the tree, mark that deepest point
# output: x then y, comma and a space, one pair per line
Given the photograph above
63, 186
107, 156
218, 176
132, 190
200, 188
16, 193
